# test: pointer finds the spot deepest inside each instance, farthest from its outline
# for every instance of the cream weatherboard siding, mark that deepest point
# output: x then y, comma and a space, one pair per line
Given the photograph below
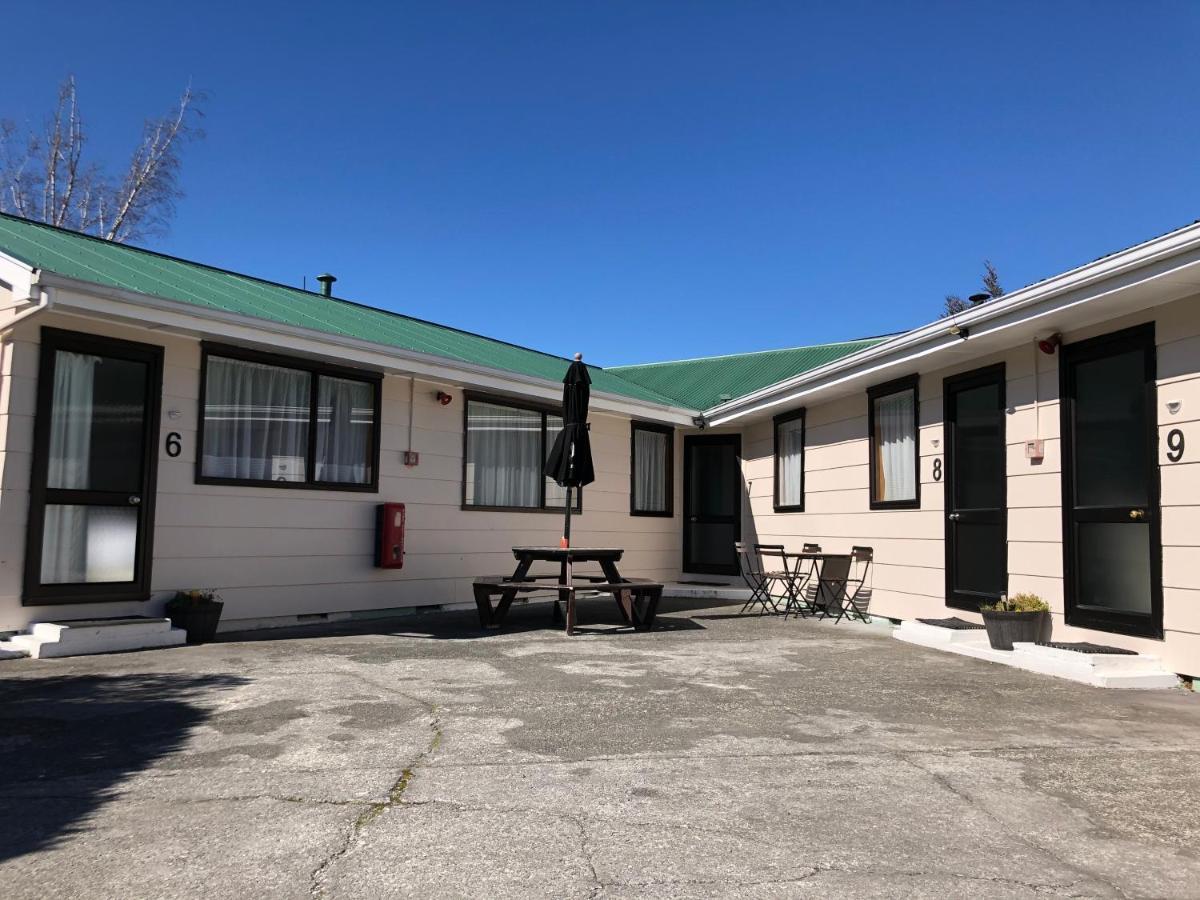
909, 571
283, 552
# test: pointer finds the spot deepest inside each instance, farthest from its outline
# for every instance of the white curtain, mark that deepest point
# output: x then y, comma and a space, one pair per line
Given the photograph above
255, 421
345, 428
65, 531
789, 444
504, 455
555, 495
895, 447
650, 470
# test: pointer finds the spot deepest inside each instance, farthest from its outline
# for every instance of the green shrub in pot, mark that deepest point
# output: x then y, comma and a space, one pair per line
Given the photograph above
1020, 618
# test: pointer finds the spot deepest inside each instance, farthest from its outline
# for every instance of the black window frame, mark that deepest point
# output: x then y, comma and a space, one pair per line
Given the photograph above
544, 409
875, 392
784, 419
315, 369
634, 427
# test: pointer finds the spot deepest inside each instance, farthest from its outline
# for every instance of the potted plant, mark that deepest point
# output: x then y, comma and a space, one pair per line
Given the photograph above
1019, 618
197, 612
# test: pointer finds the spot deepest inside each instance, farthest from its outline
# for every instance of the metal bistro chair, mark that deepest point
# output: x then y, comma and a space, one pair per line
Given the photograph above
841, 584
785, 583
750, 566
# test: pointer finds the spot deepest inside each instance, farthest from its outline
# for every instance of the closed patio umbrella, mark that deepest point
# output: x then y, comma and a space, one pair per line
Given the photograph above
570, 460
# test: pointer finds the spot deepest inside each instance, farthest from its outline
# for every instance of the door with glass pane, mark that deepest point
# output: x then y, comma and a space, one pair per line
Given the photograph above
91, 513
1111, 526
976, 525
712, 503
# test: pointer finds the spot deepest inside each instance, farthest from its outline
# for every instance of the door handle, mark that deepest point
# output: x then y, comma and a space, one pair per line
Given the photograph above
135, 500
1137, 514
953, 517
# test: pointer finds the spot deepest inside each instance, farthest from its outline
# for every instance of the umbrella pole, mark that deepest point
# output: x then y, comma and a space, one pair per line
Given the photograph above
567, 525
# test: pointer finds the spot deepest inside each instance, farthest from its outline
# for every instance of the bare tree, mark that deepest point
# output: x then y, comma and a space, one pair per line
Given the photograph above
43, 175
991, 286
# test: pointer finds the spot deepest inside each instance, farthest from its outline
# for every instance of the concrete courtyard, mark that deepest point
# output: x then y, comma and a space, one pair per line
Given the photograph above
716, 757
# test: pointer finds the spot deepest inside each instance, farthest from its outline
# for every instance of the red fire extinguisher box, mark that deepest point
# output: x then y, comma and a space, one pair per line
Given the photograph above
389, 536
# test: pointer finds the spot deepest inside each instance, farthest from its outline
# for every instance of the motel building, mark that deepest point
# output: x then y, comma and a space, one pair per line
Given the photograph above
167, 425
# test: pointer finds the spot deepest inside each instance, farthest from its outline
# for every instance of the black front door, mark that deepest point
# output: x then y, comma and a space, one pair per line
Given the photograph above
976, 524
712, 503
1111, 528
91, 514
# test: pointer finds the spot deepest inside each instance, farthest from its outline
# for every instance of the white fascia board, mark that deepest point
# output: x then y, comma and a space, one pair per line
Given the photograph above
1092, 282
153, 312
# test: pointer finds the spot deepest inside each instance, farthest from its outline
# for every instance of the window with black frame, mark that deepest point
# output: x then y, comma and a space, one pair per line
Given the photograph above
789, 462
893, 426
651, 465
272, 421
506, 445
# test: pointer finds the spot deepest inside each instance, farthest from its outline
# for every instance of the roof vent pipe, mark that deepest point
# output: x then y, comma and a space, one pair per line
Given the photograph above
327, 281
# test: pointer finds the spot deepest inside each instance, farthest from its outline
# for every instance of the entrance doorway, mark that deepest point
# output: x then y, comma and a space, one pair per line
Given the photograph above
1112, 540
91, 513
712, 503
976, 488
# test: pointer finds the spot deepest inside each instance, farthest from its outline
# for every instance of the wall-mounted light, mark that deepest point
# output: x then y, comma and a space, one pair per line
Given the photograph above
958, 331
699, 422
1174, 406
443, 398
173, 414
1050, 344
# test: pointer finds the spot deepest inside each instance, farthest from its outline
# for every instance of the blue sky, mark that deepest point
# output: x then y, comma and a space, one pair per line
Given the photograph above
693, 178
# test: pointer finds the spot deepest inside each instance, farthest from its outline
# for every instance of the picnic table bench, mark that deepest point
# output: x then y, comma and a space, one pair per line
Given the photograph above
636, 598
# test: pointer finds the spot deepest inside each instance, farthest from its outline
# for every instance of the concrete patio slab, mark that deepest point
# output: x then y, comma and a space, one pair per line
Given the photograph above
720, 756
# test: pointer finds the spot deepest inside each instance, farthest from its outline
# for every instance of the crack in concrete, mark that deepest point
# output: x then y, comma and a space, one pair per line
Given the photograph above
394, 797
1007, 828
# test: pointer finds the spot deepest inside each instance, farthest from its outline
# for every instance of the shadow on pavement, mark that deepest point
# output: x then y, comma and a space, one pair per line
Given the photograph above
67, 743
597, 617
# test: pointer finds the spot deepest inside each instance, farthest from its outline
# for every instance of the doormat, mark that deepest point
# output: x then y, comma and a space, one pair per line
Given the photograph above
954, 623
706, 583
1085, 647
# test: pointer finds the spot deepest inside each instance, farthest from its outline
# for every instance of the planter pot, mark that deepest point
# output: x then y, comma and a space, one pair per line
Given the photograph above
1003, 628
199, 620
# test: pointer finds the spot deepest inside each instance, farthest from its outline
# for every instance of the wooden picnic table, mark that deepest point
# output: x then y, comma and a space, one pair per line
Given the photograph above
637, 599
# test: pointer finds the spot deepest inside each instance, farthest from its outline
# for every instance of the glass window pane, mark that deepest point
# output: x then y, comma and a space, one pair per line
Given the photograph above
255, 421
504, 455
1110, 419
345, 430
979, 448
979, 564
789, 444
555, 496
97, 413
650, 470
1114, 566
89, 544
895, 447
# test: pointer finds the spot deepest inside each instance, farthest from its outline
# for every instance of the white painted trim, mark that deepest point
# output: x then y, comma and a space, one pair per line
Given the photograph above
155, 312
1094, 281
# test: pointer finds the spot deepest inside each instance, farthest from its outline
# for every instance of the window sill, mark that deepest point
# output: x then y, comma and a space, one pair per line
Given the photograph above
895, 504
554, 510
290, 485
649, 514
789, 509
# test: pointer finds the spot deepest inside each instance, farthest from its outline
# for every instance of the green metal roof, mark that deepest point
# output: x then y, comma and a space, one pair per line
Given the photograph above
120, 266
712, 380
695, 384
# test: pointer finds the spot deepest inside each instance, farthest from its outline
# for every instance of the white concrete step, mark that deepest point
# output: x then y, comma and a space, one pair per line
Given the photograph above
1137, 671
706, 592
9, 650
47, 640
